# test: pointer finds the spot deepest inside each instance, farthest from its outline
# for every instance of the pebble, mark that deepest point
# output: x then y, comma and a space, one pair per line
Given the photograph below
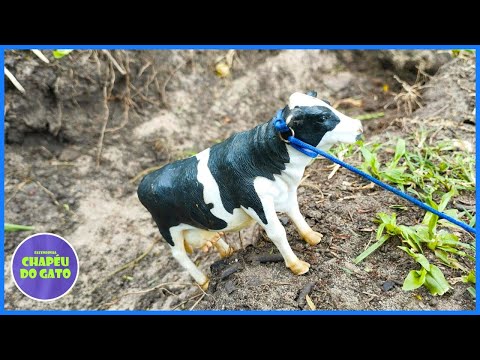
394, 256
45, 153
388, 285
230, 287
69, 155
283, 220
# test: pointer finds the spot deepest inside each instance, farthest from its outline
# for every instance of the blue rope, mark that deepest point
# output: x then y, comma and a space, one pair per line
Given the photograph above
311, 151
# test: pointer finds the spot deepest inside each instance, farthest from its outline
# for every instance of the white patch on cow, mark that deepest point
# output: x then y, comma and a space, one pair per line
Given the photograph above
211, 195
285, 183
211, 191
345, 132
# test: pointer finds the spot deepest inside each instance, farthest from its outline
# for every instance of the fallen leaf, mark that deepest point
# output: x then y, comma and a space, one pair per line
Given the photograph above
310, 303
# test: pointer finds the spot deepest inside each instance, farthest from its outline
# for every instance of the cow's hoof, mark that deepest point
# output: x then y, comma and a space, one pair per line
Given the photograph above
204, 286
300, 267
224, 253
312, 237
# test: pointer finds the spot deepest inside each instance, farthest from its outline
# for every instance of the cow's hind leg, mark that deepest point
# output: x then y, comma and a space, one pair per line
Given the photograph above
180, 254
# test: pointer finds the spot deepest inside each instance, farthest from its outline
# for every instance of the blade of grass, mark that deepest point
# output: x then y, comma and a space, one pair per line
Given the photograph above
371, 248
14, 227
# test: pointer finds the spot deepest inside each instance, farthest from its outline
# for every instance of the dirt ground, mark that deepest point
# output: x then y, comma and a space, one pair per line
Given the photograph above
171, 105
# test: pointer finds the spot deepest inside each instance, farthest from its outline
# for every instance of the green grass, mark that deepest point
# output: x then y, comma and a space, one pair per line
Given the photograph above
435, 174
14, 227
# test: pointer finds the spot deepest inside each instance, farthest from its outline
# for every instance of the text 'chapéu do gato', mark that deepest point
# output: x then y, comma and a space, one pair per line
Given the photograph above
245, 179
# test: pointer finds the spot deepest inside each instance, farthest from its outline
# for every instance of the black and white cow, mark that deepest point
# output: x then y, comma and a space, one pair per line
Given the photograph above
247, 178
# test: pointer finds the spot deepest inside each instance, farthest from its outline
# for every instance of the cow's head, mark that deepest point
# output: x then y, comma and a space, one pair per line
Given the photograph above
317, 123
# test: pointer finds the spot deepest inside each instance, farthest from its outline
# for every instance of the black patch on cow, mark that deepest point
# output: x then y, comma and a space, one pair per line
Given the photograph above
173, 195
237, 161
310, 123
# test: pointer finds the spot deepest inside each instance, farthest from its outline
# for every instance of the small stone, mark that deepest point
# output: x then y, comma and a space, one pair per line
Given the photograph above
395, 256
283, 220
230, 287
69, 154
45, 153
388, 285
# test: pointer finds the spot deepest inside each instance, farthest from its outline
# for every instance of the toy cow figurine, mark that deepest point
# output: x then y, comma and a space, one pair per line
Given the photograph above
245, 179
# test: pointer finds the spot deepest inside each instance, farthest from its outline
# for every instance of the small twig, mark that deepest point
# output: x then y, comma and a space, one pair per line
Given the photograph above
186, 301
438, 111
145, 172
126, 99
336, 167
130, 263
115, 63
303, 179
97, 62
48, 192
348, 101
54, 198
144, 67
159, 286
196, 303
143, 96
163, 93
17, 189
277, 283
430, 141
241, 239
104, 126
313, 186
41, 56
351, 217
59, 117
14, 80
145, 87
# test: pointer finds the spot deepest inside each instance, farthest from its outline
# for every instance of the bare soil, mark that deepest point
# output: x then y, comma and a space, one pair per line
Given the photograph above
171, 105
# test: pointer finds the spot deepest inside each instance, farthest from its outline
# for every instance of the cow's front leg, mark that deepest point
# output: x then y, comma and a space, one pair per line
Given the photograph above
305, 231
276, 232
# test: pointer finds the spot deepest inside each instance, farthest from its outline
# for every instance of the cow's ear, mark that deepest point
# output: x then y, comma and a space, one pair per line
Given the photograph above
312, 93
326, 101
